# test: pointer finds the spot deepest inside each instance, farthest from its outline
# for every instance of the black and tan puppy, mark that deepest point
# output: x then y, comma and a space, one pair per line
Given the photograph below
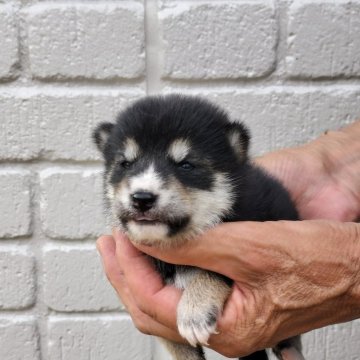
174, 167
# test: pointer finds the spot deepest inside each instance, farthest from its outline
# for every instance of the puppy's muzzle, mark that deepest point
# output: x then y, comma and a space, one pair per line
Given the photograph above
143, 200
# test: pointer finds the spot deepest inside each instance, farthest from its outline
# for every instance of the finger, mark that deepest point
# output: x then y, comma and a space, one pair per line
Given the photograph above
188, 252
146, 285
107, 249
239, 313
223, 243
147, 325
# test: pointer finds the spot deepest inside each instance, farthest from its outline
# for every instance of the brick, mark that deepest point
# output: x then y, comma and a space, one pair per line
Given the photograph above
218, 40
324, 38
8, 43
279, 117
68, 122
333, 342
57, 125
17, 279
19, 340
93, 41
74, 280
15, 204
19, 128
82, 338
71, 203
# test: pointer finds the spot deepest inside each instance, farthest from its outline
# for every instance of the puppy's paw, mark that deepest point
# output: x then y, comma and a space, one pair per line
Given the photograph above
196, 322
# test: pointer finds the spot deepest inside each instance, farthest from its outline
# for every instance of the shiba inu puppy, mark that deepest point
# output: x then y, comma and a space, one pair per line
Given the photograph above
175, 166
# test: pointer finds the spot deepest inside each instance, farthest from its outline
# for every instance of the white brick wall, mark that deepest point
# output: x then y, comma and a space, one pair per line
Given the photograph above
104, 337
15, 203
73, 270
8, 41
17, 279
93, 41
67, 203
316, 49
19, 339
289, 68
197, 45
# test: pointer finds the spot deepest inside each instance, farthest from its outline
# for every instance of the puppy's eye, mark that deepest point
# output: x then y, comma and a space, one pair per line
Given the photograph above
185, 165
125, 164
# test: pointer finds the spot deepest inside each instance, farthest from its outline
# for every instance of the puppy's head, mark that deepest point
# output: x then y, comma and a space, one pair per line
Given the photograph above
169, 166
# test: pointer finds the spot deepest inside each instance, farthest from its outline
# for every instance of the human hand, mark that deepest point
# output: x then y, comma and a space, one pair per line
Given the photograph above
262, 309
321, 176
133, 277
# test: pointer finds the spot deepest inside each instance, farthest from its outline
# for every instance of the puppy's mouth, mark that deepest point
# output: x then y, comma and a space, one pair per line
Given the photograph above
173, 224
146, 220
141, 218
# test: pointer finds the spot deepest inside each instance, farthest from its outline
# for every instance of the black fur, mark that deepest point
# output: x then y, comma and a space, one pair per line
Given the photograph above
259, 355
154, 122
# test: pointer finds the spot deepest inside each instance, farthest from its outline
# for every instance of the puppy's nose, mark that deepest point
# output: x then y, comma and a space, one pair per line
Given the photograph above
143, 200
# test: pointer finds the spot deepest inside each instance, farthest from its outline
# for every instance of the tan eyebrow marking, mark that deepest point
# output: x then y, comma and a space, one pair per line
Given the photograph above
131, 150
179, 149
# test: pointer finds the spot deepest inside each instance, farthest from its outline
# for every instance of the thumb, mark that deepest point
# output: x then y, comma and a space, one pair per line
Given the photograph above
208, 251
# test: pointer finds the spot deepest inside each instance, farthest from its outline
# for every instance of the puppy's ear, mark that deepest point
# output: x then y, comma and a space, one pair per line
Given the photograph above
239, 138
101, 135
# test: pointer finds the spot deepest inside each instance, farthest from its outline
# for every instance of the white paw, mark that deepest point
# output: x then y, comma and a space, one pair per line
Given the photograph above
197, 322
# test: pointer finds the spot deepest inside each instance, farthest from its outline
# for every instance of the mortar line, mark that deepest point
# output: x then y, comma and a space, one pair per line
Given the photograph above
152, 48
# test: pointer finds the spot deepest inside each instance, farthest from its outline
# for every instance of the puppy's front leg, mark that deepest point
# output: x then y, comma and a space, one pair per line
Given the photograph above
200, 305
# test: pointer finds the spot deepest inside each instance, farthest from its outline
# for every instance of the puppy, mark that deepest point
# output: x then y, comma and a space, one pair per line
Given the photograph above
176, 166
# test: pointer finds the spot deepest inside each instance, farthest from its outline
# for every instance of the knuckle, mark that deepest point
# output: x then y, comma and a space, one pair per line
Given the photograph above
146, 308
100, 240
153, 314
141, 324
114, 274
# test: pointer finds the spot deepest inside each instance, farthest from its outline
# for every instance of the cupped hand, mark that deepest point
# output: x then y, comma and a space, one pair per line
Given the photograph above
267, 262
133, 277
321, 177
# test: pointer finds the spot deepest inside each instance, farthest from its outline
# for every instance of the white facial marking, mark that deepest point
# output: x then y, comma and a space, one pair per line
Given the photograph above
210, 206
149, 181
179, 149
147, 233
131, 150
